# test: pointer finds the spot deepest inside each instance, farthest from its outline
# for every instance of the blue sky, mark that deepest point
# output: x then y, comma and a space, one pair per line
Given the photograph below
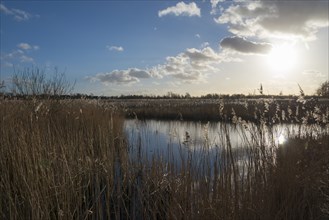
152, 47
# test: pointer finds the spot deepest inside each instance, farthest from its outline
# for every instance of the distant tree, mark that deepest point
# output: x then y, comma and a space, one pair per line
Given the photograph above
187, 95
323, 89
173, 95
36, 81
211, 96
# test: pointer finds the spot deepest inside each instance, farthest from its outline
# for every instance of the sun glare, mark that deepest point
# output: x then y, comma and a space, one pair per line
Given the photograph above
282, 58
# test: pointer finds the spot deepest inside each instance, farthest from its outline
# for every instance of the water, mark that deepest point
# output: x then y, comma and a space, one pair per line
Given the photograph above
154, 136
176, 140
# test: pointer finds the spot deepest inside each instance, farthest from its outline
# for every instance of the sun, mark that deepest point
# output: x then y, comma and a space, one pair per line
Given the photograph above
282, 58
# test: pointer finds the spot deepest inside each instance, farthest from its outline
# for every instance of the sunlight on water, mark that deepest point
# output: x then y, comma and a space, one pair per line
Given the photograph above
178, 138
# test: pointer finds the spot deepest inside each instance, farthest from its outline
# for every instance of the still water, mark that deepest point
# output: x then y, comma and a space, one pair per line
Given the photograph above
169, 140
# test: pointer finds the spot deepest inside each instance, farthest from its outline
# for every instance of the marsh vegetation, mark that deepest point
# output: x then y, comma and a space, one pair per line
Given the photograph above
76, 159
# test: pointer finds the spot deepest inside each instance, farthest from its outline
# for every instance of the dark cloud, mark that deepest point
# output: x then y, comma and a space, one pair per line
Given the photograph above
242, 45
139, 73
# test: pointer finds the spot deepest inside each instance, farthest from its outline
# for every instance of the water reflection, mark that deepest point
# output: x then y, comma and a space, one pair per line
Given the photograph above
169, 140
158, 134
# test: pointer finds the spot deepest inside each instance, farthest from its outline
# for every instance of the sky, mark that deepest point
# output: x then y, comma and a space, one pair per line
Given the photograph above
154, 47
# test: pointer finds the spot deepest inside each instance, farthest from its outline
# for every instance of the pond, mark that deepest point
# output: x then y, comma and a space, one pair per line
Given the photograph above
175, 140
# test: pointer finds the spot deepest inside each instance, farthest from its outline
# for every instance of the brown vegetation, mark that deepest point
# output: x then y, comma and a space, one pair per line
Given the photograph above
70, 160
298, 110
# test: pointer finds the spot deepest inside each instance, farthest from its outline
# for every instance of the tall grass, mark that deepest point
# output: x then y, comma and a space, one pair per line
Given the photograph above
295, 110
57, 163
70, 160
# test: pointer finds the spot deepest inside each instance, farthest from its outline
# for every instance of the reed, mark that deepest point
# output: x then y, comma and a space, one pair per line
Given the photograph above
296, 110
57, 162
71, 160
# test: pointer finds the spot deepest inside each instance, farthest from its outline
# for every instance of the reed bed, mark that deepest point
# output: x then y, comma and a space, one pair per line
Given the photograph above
294, 110
71, 160
57, 159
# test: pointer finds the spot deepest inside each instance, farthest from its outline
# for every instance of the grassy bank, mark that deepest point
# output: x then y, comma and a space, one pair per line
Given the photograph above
70, 160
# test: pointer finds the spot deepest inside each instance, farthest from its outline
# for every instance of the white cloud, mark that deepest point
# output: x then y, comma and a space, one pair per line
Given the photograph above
280, 19
26, 46
20, 54
197, 36
204, 56
18, 15
214, 4
17, 55
129, 76
242, 45
190, 66
181, 9
116, 76
115, 48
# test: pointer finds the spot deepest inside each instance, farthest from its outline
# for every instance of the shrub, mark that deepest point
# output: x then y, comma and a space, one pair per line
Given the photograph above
36, 81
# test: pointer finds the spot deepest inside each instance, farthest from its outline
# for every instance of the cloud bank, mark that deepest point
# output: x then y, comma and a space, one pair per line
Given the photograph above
279, 19
181, 9
190, 66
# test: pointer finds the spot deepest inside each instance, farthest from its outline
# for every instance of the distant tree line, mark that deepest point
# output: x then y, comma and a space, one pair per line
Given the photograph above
10, 95
37, 83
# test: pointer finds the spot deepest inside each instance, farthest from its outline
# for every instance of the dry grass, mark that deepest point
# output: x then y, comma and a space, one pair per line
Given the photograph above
69, 160
57, 161
273, 110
